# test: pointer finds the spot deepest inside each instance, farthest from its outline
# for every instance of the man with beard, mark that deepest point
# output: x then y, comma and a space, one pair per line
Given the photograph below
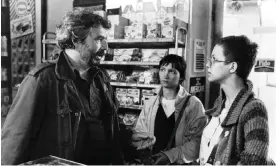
67, 107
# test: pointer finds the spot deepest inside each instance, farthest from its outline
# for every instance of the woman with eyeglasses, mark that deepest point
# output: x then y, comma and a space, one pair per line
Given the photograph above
237, 129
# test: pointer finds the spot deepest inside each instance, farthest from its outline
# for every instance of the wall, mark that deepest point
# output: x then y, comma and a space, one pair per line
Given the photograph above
55, 11
199, 28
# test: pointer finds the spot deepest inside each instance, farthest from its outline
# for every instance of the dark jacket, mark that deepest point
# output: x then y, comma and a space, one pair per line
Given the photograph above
245, 140
45, 115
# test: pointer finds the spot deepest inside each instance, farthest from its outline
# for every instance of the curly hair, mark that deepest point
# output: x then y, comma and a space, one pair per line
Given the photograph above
241, 50
76, 25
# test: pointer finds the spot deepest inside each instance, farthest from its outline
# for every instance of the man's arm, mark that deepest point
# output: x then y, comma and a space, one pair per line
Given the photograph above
17, 126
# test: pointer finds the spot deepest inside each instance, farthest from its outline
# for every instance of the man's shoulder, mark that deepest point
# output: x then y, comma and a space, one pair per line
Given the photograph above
41, 67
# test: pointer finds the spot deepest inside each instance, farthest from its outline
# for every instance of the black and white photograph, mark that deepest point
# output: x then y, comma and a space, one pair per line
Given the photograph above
138, 82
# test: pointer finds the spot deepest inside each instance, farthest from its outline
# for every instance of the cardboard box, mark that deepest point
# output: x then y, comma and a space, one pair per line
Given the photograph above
135, 31
121, 55
121, 94
114, 11
118, 24
169, 26
153, 55
133, 97
153, 30
178, 52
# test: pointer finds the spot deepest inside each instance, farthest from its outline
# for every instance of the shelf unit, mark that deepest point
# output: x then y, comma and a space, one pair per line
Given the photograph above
130, 63
6, 69
136, 85
155, 43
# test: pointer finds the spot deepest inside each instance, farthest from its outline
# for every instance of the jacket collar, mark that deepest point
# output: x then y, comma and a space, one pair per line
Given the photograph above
182, 93
63, 68
236, 107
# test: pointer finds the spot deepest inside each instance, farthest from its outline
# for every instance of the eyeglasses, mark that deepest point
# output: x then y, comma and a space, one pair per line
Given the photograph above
212, 60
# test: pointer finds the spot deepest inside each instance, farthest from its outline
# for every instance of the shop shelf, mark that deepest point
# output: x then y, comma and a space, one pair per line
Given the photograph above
134, 63
144, 43
134, 85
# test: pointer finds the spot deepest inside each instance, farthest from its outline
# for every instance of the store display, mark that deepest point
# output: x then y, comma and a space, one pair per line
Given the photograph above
135, 31
133, 97
121, 94
118, 24
123, 54
4, 46
4, 74
153, 30
153, 55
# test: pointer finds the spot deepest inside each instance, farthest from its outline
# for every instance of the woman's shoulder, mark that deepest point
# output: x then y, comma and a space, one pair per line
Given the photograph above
254, 107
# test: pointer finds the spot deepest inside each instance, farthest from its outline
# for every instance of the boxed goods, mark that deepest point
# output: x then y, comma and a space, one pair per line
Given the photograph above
149, 77
169, 25
114, 11
109, 55
121, 94
112, 74
133, 97
153, 30
134, 77
178, 52
137, 55
118, 24
135, 31
153, 55
121, 55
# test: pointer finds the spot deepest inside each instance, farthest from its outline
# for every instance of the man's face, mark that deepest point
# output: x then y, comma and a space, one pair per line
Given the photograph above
94, 46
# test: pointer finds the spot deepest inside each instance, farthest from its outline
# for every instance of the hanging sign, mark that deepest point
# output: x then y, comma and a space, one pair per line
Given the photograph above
21, 7
197, 87
264, 65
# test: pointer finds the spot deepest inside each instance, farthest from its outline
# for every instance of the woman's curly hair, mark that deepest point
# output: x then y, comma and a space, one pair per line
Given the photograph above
76, 26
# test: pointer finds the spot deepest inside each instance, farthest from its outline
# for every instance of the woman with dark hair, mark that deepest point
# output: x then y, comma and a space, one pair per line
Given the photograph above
237, 130
171, 119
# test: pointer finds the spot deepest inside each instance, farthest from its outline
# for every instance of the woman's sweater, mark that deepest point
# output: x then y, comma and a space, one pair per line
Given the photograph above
247, 123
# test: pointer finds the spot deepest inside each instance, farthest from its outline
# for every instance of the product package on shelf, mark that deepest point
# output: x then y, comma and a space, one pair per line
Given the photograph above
149, 77
134, 77
129, 12
146, 94
112, 74
135, 31
133, 97
114, 11
109, 55
118, 24
153, 55
121, 94
179, 51
169, 26
153, 30
121, 55
137, 55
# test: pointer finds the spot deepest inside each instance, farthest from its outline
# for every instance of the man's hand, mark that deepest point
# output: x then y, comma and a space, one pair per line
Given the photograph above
161, 159
142, 140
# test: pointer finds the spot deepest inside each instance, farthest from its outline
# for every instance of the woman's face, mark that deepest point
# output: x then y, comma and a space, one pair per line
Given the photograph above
217, 67
169, 77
